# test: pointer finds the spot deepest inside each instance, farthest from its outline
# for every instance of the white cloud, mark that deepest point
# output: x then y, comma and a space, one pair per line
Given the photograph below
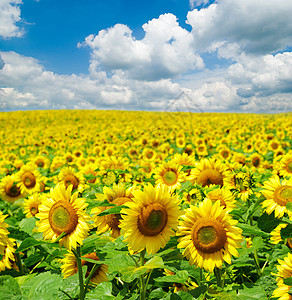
165, 51
257, 26
9, 17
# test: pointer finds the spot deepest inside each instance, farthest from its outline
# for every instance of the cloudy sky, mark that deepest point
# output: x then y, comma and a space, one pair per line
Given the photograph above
167, 55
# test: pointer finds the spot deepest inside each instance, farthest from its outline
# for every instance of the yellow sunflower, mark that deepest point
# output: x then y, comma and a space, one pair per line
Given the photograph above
209, 172
31, 205
277, 193
276, 235
28, 179
62, 212
285, 168
227, 199
284, 271
69, 267
9, 191
150, 219
241, 183
209, 235
68, 176
169, 174
7, 249
118, 195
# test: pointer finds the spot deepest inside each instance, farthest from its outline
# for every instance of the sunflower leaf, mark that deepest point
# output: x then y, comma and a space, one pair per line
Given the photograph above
28, 243
27, 224
288, 281
286, 232
179, 277
267, 222
113, 210
9, 288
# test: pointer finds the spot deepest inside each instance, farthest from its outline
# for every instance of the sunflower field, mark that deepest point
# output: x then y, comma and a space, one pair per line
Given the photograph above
145, 205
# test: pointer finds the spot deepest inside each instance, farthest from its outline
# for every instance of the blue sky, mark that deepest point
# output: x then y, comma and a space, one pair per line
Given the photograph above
194, 55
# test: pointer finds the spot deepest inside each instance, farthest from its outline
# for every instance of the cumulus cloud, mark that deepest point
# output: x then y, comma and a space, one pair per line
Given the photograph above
165, 51
27, 85
9, 17
256, 26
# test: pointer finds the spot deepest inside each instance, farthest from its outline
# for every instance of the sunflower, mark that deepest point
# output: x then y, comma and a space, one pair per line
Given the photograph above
68, 176
118, 195
62, 212
9, 191
90, 170
277, 193
69, 267
7, 245
7, 249
150, 219
41, 161
285, 168
227, 199
169, 174
28, 179
209, 235
284, 271
194, 196
31, 205
276, 235
209, 172
241, 182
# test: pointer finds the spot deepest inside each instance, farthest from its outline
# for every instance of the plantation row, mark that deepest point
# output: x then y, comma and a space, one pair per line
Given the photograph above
145, 205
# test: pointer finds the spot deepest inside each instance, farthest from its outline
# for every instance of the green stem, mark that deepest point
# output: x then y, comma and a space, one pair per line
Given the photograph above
148, 278
19, 264
89, 277
77, 254
218, 275
255, 253
201, 277
142, 282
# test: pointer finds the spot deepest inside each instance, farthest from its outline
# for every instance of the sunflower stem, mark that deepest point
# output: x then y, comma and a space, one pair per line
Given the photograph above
142, 282
19, 264
89, 277
218, 275
77, 254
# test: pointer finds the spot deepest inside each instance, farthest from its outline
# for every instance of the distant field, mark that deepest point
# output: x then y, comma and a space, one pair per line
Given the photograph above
145, 205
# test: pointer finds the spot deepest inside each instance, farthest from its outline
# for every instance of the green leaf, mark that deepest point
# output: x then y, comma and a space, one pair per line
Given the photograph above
286, 232
257, 243
288, 281
102, 292
27, 224
29, 242
179, 277
256, 292
132, 272
249, 230
157, 293
113, 210
43, 286
184, 295
198, 291
267, 222
9, 288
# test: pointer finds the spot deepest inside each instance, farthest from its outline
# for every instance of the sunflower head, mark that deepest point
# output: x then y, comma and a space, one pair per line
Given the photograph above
209, 235
63, 213
150, 219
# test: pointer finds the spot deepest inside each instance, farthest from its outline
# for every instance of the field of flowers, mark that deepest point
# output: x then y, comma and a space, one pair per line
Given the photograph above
145, 205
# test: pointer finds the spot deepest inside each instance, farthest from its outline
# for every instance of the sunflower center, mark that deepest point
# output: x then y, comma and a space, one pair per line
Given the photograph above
208, 236
283, 195
63, 217
40, 163
210, 176
12, 190
113, 220
170, 177
152, 219
28, 179
71, 179
34, 210
256, 162
289, 166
